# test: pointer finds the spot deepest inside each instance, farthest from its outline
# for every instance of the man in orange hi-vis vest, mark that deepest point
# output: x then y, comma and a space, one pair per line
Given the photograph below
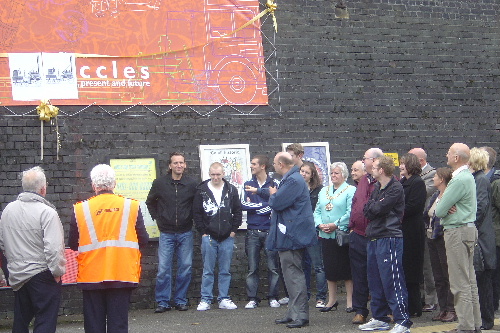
107, 231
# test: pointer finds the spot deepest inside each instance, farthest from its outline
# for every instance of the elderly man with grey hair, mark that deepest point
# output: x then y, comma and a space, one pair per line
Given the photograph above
107, 231
31, 235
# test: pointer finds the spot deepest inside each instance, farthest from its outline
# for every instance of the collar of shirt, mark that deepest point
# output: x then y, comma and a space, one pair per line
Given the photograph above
456, 172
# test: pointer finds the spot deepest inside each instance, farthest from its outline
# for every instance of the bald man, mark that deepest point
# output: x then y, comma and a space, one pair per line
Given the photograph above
292, 230
457, 210
427, 176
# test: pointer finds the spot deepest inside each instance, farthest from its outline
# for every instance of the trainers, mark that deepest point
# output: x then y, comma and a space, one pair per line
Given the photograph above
251, 305
227, 304
203, 306
284, 300
374, 325
320, 303
274, 303
400, 329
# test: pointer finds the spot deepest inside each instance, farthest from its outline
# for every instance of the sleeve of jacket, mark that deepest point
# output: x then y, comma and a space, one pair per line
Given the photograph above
74, 234
198, 212
248, 205
483, 199
140, 229
416, 199
151, 200
285, 197
451, 195
53, 242
495, 194
343, 221
236, 210
380, 207
429, 183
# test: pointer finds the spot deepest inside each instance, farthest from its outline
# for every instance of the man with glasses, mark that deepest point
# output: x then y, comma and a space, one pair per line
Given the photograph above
170, 203
217, 216
457, 210
386, 279
357, 237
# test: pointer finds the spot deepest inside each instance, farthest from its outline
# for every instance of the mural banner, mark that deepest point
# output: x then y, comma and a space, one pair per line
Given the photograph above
154, 52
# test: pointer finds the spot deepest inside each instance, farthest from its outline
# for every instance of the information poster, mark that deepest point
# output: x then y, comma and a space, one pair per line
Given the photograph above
319, 154
134, 177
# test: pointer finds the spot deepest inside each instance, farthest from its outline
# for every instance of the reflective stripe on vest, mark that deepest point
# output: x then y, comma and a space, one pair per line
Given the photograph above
121, 242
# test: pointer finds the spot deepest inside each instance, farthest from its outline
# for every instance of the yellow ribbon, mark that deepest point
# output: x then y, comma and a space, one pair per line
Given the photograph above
46, 111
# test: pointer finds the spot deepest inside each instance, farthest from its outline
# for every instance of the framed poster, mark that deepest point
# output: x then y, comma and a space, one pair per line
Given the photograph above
134, 177
319, 154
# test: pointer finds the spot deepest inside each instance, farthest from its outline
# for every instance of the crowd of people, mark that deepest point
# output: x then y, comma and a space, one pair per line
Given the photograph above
386, 238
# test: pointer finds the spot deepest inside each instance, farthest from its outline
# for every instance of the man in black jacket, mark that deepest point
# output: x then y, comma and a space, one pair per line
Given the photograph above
386, 279
170, 203
217, 215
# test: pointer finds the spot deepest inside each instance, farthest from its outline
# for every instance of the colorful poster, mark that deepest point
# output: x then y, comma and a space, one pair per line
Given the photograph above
134, 177
319, 154
154, 52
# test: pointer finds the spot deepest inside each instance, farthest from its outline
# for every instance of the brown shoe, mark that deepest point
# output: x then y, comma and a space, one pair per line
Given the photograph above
391, 317
449, 317
359, 319
440, 316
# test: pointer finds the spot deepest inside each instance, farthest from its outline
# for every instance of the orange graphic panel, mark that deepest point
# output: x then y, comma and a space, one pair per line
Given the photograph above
129, 51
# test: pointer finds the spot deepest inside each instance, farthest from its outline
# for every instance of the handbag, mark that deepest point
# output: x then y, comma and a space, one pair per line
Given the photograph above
342, 237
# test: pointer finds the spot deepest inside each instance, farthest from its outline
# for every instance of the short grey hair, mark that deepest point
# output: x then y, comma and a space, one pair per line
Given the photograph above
33, 180
375, 152
103, 177
343, 168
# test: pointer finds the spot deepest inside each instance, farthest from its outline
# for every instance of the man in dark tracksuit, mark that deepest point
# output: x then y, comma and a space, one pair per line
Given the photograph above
386, 278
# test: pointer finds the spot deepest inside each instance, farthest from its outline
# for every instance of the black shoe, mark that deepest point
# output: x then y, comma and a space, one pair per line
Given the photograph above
329, 308
298, 323
182, 307
161, 309
283, 321
349, 310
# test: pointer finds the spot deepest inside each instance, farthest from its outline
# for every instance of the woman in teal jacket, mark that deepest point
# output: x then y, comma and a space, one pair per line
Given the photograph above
332, 212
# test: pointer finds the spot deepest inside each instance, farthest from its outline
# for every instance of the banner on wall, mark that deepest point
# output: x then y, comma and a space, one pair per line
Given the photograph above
115, 52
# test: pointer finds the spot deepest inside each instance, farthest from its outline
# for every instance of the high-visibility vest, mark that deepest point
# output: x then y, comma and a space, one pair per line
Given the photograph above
108, 245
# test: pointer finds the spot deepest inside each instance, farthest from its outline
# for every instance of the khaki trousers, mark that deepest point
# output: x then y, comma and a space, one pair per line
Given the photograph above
459, 243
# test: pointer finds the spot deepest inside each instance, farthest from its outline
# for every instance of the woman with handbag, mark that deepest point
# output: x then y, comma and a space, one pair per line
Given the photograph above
331, 217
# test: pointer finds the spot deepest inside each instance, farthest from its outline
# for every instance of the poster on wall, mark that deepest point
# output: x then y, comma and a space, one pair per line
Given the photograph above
126, 52
134, 177
236, 161
319, 154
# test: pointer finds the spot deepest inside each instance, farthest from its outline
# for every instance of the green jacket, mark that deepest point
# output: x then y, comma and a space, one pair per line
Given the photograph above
461, 193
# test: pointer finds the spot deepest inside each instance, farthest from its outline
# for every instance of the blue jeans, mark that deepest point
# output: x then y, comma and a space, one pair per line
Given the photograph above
255, 241
313, 257
211, 252
169, 243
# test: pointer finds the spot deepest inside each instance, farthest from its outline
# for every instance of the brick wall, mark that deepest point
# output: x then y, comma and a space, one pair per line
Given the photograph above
398, 74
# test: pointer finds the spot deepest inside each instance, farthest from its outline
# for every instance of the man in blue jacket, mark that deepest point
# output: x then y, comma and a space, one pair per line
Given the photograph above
258, 221
292, 229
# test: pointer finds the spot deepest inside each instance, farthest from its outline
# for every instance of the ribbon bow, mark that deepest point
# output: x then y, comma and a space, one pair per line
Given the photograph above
46, 111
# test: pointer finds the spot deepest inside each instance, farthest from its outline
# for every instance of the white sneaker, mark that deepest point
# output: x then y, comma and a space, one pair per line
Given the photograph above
400, 329
374, 325
284, 300
227, 304
320, 304
274, 303
251, 305
203, 306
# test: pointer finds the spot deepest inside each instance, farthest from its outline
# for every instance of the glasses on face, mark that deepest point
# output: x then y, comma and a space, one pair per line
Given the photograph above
366, 158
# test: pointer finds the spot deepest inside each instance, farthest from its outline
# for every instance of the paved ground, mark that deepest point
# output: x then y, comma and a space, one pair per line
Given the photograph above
259, 320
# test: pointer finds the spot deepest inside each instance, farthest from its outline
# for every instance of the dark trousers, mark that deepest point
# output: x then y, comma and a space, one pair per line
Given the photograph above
439, 264
39, 298
357, 255
106, 310
414, 299
485, 291
295, 281
387, 281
